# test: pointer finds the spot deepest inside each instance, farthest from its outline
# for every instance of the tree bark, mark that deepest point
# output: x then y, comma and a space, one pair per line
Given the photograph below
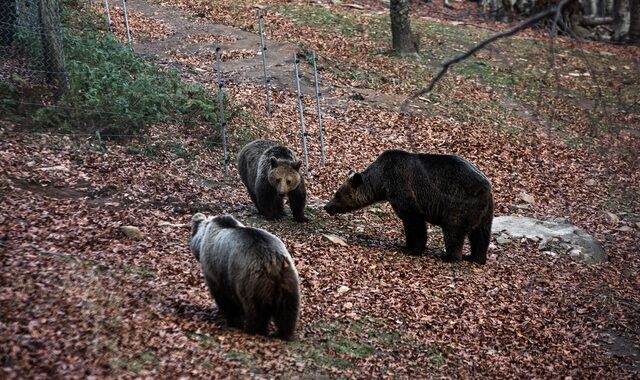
402, 38
7, 22
52, 47
634, 22
620, 20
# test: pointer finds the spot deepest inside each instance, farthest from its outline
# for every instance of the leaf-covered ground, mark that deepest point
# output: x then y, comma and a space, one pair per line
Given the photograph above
78, 299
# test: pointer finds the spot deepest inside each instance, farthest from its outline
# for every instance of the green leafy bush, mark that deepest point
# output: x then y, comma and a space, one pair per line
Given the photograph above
112, 92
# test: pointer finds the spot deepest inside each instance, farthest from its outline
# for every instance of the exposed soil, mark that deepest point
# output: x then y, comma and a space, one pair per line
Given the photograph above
196, 37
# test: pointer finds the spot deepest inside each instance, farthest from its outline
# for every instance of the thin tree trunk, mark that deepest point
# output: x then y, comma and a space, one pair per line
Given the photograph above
634, 22
403, 40
7, 21
620, 20
52, 47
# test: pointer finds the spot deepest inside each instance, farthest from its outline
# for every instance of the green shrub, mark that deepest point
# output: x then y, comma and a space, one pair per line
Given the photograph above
112, 92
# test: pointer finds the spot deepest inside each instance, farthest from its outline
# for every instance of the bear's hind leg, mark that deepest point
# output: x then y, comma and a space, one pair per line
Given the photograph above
286, 314
415, 231
479, 239
230, 310
257, 318
453, 241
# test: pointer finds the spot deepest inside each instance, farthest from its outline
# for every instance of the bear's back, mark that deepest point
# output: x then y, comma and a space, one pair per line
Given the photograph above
443, 172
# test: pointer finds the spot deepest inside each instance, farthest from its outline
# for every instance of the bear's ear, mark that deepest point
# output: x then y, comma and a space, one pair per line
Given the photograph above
296, 165
355, 180
274, 162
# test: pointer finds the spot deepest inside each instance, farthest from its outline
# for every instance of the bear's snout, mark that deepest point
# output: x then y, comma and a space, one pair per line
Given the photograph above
282, 195
330, 209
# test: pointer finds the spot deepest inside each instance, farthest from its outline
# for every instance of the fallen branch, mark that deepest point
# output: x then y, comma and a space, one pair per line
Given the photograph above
506, 33
595, 21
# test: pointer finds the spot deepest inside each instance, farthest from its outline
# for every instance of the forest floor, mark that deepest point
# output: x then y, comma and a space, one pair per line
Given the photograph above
78, 299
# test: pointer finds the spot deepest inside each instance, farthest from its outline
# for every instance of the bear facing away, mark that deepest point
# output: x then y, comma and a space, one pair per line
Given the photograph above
270, 172
443, 190
249, 273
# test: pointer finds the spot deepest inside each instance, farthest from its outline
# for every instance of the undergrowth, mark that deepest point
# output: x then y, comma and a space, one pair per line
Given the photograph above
110, 91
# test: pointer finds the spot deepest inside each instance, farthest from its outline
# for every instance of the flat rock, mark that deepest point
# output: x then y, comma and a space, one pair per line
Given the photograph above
557, 235
132, 232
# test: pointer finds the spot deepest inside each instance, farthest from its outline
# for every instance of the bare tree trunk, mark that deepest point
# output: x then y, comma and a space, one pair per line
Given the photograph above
590, 7
620, 20
7, 21
634, 22
52, 47
403, 40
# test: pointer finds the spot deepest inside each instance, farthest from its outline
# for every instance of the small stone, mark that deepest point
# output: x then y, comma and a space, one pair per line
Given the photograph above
520, 207
336, 240
343, 289
169, 224
612, 217
348, 305
503, 239
625, 229
527, 198
376, 211
131, 232
55, 168
591, 182
575, 252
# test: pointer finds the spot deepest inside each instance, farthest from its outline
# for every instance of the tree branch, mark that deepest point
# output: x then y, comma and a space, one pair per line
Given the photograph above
506, 33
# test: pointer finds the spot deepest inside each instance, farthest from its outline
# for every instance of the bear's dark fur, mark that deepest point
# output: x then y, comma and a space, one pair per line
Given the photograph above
444, 190
249, 273
270, 172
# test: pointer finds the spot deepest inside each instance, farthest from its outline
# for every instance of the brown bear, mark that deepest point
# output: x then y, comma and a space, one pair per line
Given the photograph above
270, 172
444, 190
249, 273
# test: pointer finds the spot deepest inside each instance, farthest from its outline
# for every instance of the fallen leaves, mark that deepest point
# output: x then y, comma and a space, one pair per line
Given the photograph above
78, 299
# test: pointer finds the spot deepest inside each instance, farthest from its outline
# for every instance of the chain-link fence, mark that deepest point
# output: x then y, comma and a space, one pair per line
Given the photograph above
31, 48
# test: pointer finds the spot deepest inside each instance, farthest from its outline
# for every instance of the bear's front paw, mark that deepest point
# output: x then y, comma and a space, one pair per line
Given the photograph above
301, 219
413, 251
477, 260
450, 258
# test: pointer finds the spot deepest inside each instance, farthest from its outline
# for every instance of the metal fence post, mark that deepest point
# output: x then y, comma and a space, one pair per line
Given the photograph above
318, 110
263, 49
221, 106
302, 130
126, 22
106, 6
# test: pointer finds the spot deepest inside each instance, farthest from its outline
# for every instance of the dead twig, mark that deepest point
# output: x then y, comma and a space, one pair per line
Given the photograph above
444, 67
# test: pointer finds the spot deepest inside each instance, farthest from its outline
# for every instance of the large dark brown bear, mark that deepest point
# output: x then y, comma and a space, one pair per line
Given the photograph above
249, 273
444, 190
270, 172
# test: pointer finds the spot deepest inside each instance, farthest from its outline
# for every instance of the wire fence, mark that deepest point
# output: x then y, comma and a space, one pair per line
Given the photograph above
31, 51
32, 55
31, 43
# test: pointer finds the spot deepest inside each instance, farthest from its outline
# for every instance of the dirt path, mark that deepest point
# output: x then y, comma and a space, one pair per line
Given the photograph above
191, 49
